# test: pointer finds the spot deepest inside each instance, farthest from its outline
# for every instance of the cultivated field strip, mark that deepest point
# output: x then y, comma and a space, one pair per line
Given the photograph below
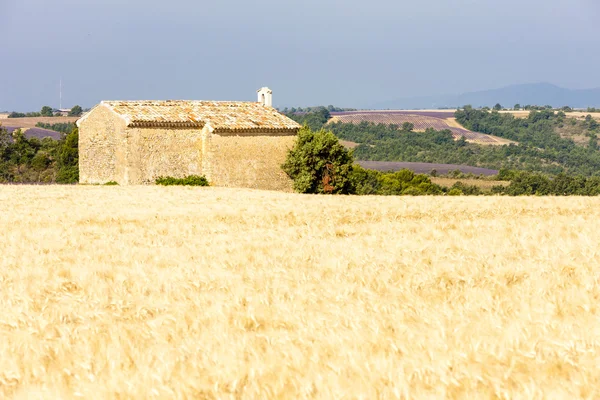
154, 292
421, 121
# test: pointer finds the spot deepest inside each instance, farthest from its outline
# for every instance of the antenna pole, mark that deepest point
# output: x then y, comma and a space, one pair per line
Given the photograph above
60, 91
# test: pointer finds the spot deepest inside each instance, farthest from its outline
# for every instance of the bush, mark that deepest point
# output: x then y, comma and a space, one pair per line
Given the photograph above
403, 182
455, 192
68, 159
365, 181
191, 180
318, 163
111, 183
468, 190
497, 189
68, 175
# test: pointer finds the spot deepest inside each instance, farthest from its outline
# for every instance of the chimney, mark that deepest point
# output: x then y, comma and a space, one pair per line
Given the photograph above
265, 96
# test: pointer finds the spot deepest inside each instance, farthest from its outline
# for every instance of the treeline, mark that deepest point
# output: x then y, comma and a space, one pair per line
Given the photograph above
538, 138
318, 163
523, 183
64, 127
47, 111
527, 183
329, 108
15, 114
540, 148
380, 142
314, 119
24, 160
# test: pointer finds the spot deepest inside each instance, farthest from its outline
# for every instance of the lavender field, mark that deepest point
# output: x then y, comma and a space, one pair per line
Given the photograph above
422, 120
37, 133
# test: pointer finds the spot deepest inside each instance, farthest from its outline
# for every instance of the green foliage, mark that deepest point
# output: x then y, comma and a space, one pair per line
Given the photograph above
408, 127
68, 159
403, 182
64, 127
40, 161
15, 114
46, 111
528, 184
315, 119
191, 180
329, 108
506, 174
75, 111
111, 183
318, 163
455, 192
541, 148
380, 142
32, 160
468, 190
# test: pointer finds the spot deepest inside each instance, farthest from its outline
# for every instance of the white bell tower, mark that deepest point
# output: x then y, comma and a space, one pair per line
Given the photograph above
265, 96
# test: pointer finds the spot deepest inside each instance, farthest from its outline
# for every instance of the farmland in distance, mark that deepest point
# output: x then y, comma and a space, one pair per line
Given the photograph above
425, 168
422, 120
29, 128
154, 292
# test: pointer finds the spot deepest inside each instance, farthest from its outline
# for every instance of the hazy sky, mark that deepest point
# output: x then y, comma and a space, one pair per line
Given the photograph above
348, 53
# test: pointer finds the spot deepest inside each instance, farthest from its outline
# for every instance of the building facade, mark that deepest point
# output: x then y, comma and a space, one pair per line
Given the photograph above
233, 144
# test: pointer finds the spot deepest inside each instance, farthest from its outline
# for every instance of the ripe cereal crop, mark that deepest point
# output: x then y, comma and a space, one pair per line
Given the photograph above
178, 292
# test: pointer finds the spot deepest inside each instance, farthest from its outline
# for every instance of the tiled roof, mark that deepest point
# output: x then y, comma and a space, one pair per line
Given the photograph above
222, 116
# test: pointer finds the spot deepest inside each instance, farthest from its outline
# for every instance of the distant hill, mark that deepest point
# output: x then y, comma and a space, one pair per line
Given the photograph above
533, 94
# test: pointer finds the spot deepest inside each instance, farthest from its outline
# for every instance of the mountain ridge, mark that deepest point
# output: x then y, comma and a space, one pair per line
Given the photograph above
540, 94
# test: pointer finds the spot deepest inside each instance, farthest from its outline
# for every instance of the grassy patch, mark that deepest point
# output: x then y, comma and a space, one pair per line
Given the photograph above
191, 180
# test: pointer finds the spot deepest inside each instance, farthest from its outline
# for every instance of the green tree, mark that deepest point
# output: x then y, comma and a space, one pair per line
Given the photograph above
318, 163
517, 107
498, 107
408, 127
47, 111
5, 139
75, 111
68, 159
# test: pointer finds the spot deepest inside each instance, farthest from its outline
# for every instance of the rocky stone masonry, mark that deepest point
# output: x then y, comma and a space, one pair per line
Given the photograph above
109, 150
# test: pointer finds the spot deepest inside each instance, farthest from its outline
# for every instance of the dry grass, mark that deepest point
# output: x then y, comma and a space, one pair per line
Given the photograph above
576, 133
580, 115
349, 144
498, 141
153, 292
30, 122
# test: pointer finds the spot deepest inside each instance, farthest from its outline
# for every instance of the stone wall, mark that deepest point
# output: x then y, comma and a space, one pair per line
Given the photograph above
100, 140
109, 151
249, 161
162, 152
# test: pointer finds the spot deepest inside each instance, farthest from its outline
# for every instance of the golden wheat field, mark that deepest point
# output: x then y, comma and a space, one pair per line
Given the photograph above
153, 292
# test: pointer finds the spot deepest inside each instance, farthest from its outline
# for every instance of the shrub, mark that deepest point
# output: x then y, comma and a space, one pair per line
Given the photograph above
497, 189
191, 180
468, 190
111, 183
68, 175
413, 191
68, 159
365, 181
455, 192
318, 163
